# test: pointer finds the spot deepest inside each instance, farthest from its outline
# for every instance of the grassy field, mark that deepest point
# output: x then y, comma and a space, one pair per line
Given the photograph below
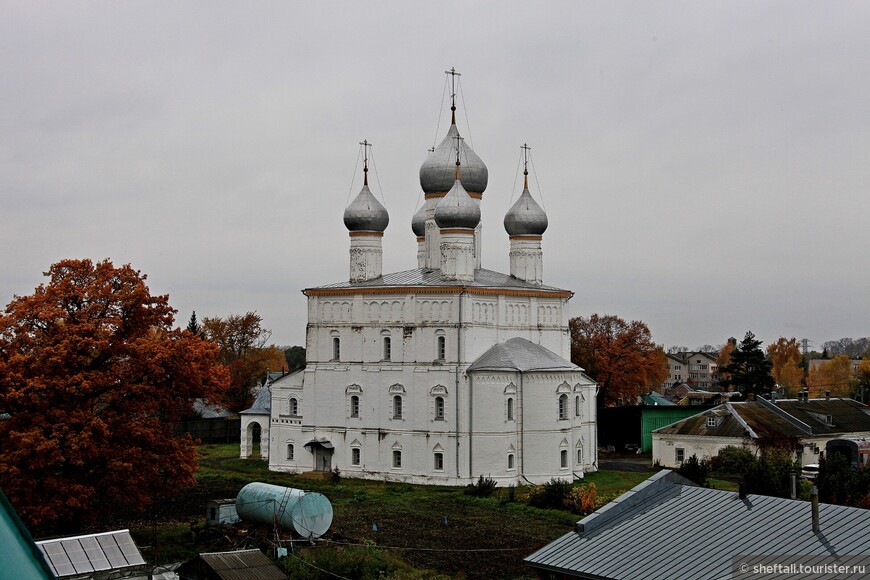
430, 527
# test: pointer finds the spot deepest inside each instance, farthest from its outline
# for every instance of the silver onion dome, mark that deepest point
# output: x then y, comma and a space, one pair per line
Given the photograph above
437, 172
418, 222
457, 209
365, 213
525, 217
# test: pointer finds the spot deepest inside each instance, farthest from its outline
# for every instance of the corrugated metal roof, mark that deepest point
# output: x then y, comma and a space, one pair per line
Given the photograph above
81, 555
431, 277
669, 530
521, 355
243, 565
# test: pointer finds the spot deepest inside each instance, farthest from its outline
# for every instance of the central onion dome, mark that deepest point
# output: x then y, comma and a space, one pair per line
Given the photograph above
525, 217
437, 172
365, 213
457, 209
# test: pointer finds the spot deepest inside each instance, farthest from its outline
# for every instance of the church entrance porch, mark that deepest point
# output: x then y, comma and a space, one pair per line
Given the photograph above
322, 450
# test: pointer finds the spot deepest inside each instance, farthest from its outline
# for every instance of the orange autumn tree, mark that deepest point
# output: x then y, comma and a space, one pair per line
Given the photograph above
241, 341
92, 375
786, 357
619, 355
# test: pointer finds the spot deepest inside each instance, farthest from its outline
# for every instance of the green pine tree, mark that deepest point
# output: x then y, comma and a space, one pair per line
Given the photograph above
749, 370
193, 326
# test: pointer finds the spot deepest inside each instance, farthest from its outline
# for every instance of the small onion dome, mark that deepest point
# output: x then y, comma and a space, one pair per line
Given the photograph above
418, 222
525, 217
437, 172
365, 213
457, 209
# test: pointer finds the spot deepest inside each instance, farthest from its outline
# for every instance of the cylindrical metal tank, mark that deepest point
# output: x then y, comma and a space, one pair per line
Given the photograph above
308, 513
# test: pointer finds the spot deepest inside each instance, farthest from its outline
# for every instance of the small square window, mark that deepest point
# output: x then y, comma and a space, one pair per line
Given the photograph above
680, 455
711, 421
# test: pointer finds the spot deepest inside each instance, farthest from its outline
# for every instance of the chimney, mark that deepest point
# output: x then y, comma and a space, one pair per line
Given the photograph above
750, 396
792, 476
827, 395
741, 490
815, 507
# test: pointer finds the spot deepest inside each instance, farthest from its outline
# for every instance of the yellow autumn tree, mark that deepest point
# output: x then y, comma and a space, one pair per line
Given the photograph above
723, 359
786, 358
834, 375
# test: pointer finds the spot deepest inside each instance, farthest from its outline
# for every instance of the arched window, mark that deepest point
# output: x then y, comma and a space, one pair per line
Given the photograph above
397, 406
336, 348
440, 345
355, 456
294, 407
563, 406
563, 458
510, 408
387, 348
577, 405
291, 452
579, 456
397, 458
510, 461
354, 406
439, 408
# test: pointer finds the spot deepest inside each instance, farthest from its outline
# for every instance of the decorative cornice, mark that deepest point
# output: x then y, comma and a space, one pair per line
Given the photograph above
457, 231
366, 234
527, 237
421, 239
451, 289
440, 194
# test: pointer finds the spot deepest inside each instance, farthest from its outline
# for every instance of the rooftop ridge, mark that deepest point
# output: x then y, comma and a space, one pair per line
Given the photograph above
785, 415
651, 489
741, 420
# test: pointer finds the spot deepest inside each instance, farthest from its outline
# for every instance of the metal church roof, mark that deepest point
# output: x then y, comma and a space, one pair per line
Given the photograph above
669, 528
432, 277
521, 355
85, 555
263, 403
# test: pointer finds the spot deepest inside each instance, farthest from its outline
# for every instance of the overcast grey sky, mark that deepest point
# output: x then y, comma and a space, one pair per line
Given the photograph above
705, 165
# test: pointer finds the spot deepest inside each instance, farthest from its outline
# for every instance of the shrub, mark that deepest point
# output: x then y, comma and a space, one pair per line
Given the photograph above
695, 469
483, 488
733, 460
336, 475
771, 474
550, 495
582, 500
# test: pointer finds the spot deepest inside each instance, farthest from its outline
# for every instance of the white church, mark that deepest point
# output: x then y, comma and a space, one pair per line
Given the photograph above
440, 373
